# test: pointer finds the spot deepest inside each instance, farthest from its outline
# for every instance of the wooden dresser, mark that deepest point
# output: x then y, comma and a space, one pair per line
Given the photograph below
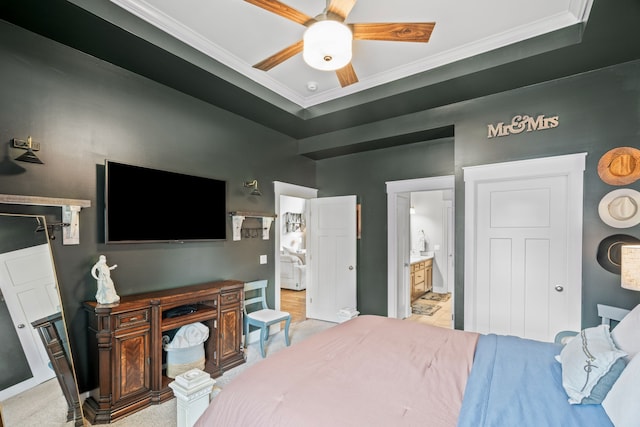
125, 344
421, 278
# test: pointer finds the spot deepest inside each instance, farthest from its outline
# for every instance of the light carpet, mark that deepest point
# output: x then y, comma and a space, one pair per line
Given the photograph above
44, 405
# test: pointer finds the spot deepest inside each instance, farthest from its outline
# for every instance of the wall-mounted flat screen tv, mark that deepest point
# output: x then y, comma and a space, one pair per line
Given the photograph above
149, 205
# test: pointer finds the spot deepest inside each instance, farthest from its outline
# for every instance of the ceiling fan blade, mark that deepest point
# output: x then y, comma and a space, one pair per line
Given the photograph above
347, 75
283, 10
280, 57
340, 8
399, 31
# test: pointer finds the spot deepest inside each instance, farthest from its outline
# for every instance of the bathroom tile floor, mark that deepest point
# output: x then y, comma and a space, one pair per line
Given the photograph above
441, 318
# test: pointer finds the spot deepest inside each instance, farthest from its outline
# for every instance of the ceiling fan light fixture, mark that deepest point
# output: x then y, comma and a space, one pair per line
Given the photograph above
327, 45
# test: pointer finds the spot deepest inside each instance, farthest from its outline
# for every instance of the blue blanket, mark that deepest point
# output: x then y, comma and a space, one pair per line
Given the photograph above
517, 382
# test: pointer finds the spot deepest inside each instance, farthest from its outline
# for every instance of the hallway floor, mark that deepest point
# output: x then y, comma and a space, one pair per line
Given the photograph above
295, 303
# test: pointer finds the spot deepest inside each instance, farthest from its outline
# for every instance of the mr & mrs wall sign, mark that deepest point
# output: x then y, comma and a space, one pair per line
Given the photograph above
522, 123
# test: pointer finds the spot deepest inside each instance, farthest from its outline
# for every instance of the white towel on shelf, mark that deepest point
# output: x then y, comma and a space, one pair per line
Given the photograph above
189, 336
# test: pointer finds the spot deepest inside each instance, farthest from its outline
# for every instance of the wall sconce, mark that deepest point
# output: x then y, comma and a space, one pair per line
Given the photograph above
253, 184
630, 267
30, 146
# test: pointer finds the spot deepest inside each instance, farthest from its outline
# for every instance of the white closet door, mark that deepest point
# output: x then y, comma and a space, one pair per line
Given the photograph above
525, 253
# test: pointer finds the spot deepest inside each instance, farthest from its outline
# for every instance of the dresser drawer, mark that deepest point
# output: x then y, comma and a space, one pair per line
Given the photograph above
230, 298
131, 319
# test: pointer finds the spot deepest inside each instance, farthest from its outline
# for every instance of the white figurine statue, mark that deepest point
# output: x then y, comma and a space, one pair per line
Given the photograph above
106, 290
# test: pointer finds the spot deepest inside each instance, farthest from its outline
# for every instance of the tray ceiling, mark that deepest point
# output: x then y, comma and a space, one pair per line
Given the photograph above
239, 34
596, 34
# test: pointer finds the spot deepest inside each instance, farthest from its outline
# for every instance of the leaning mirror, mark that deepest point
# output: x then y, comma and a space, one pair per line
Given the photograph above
35, 360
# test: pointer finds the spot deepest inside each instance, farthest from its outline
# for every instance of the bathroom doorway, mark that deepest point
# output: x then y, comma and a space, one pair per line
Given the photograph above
426, 235
431, 266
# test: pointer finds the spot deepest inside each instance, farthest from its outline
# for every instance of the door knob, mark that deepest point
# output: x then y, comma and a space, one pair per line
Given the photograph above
351, 267
21, 325
559, 288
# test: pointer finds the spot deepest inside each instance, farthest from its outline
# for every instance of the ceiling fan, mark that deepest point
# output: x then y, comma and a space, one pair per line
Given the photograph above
334, 53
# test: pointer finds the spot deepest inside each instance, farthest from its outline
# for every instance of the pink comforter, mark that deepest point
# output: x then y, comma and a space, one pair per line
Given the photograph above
369, 371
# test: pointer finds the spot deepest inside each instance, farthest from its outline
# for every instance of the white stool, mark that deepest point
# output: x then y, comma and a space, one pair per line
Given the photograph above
192, 390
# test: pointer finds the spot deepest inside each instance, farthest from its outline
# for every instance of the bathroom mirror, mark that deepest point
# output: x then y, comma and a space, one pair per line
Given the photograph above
35, 359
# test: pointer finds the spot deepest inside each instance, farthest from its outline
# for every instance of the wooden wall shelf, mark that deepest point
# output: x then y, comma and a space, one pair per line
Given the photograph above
14, 199
70, 212
252, 214
238, 218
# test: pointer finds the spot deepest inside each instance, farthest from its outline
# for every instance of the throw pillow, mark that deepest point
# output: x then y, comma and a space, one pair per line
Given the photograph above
626, 335
591, 363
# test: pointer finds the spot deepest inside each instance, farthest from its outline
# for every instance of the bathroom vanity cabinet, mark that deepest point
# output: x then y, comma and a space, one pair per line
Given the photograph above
421, 277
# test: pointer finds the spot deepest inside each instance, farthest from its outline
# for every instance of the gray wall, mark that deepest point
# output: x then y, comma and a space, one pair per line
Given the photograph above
365, 175
598, 111
17, 232
84, 111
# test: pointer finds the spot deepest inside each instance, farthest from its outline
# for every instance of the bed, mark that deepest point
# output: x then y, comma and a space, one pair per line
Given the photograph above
377, 371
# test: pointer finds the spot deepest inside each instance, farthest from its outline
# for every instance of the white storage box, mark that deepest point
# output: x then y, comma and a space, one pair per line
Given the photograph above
181, 360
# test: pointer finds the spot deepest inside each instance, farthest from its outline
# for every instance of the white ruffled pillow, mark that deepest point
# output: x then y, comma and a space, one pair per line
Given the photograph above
622, 402
591, 364
626, 335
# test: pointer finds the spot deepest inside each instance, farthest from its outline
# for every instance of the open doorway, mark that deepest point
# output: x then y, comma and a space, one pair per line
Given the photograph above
329, 272
430, 257
293, 263
402, 241
290, 248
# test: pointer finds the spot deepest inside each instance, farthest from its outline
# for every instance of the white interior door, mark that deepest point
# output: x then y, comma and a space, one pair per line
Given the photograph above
29, 288
404, 249
448, 284
524, 277
331, 256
